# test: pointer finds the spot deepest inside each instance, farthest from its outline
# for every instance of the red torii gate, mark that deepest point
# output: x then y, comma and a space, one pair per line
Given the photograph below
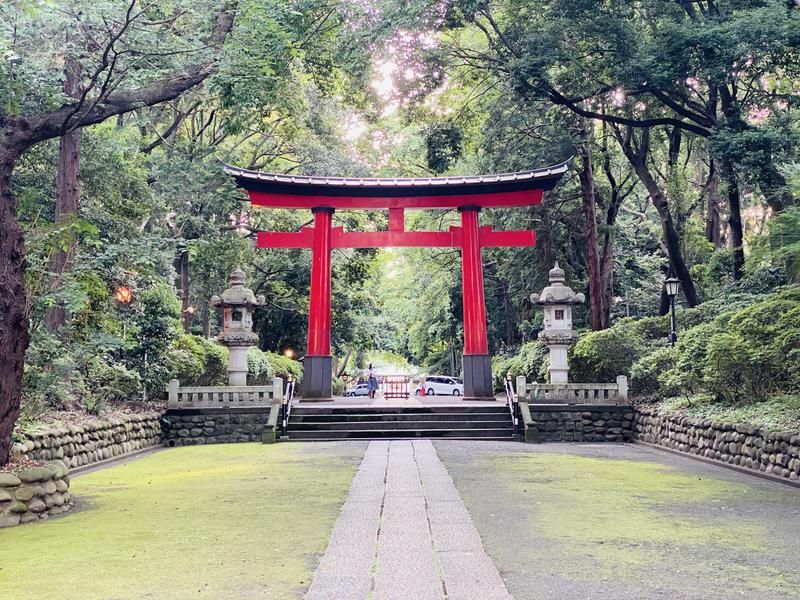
324, 195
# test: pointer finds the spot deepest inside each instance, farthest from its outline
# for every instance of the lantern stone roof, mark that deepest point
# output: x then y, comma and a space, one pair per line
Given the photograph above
557, 292
237, 294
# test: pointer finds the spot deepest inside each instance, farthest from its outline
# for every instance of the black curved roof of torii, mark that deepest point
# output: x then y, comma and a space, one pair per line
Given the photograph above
389, 187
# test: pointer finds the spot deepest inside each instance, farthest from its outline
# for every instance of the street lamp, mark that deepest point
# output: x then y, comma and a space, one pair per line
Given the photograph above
672, 285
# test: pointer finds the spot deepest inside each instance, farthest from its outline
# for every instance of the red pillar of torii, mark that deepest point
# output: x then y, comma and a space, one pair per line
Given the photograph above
324, 195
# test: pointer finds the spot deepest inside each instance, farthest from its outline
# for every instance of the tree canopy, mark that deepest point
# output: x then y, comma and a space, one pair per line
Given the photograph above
681, 118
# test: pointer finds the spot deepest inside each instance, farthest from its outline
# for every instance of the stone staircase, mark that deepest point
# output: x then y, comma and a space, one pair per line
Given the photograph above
386, 422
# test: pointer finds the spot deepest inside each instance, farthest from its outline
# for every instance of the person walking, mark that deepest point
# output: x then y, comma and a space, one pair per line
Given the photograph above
372, 381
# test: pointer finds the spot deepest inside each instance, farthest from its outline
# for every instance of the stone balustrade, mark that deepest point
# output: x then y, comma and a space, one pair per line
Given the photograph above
209, 415
223, 396
573, 393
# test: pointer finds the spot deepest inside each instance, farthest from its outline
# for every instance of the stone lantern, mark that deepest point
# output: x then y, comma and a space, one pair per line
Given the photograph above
237, 304
557, 300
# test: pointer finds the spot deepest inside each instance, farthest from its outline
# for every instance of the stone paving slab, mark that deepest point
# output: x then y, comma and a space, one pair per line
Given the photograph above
405, 534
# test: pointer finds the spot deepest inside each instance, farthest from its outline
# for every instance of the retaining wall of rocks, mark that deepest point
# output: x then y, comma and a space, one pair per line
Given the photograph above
79, 445
580, 423
189, 426
34, 494
775, 453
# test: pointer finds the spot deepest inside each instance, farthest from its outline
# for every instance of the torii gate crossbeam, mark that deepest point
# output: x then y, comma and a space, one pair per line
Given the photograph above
468, 194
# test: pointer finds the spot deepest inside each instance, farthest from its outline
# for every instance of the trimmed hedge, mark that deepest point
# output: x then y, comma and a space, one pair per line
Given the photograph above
745, 353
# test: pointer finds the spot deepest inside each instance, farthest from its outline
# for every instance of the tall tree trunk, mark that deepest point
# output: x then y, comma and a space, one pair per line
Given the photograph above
182, 268
713, 233
67, 191
346, 360
775, 189
508, 313
638, 159
734, 218
589, 202
606, 280
673, 243
17, 135
732, 112
206, 320
544, 239
14, 336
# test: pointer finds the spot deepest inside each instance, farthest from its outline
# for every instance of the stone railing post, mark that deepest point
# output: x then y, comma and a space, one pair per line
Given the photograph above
173, 393
622, 389
522, 391
277, 389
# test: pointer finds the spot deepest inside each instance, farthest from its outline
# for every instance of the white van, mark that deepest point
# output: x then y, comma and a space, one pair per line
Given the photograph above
441, 385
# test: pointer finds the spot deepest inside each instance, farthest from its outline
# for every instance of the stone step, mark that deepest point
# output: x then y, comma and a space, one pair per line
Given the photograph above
463, 434
335, 410
397, 425
398, 417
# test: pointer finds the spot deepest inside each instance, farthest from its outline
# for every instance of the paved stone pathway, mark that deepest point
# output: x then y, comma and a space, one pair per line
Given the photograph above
405, 533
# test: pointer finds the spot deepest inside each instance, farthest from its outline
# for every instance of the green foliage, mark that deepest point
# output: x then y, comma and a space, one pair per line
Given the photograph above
259, 369
157, 324
530, 361
80, 376
603, 355
756, 351
781, 245
444, 146
196, 360
648, 374
110, 382
292, 92
743, 350
780, 412
284, 367
338, 386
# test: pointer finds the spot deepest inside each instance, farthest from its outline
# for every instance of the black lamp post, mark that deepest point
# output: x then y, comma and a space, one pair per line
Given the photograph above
672, 285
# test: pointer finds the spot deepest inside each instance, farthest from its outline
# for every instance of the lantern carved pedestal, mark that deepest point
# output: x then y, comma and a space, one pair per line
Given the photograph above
237, 303
557, 300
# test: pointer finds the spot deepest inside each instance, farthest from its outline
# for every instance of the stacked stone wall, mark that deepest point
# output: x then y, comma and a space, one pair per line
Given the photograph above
185, 427
79, 445
582, 423
34, 494
773, 453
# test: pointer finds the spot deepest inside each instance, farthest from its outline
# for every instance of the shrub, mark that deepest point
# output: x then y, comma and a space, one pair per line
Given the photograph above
283, 367
215, 362
651, 329
259, 370
196, 360
338, 386
603, 355
690, 357
157, 325
649, 374
110, 382
756, 350
530, 361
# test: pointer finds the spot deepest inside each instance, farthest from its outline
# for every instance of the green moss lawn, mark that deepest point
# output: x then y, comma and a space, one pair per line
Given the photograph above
222, 521
650, 526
